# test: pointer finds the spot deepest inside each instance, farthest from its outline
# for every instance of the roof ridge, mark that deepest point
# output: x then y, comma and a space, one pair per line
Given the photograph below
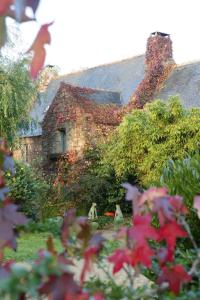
192, 62
88, 88
98, 66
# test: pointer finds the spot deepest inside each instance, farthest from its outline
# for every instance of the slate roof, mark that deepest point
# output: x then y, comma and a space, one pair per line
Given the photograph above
113, 83
185, 82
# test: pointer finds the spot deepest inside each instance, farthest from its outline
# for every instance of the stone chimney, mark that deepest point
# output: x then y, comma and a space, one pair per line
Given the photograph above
158, 65
159, 50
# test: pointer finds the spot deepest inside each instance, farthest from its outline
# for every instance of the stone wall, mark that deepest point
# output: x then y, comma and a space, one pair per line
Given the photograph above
30, 150
71, 125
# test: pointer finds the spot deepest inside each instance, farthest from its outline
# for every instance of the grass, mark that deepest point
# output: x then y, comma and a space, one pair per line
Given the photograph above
28, 246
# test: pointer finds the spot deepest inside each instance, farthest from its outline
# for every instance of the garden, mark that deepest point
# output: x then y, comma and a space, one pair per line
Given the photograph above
148, 168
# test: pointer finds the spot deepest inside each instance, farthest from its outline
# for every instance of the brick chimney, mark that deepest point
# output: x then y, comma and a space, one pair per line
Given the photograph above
158, 65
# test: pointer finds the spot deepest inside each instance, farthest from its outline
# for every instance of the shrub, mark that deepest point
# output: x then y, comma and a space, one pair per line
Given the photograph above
183, 177
51, 225
87, 181
28, 190
148, 138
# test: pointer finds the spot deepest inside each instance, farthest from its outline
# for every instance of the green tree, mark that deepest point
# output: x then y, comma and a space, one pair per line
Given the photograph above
17, 93
148, 138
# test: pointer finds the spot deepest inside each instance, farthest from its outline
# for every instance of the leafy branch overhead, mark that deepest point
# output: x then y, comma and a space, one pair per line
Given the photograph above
16, 9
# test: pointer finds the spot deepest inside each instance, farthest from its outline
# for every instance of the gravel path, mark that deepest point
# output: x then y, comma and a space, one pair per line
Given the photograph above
99, 273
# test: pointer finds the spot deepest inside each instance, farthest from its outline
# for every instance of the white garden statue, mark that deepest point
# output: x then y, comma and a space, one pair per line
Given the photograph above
92, 215
118, 214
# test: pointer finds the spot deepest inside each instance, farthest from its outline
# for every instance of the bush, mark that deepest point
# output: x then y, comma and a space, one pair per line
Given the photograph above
148, 138
51, 225
183, 177
28, 190
87, 181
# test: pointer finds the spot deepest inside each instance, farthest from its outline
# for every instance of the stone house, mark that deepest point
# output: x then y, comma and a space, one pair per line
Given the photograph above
77, 109
75, 121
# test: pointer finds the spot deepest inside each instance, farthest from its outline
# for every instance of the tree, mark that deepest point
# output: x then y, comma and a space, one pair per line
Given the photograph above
17, 93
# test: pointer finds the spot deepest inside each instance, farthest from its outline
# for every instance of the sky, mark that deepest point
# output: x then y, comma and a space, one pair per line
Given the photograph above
87, 33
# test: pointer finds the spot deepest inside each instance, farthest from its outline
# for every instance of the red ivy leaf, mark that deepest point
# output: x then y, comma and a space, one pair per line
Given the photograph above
95, 245
142, 255
175, 276
168, 207
170, 232
61, 288
4, 6
9, 218
43, 37
98, 296
151, 194
142, 230
119, 258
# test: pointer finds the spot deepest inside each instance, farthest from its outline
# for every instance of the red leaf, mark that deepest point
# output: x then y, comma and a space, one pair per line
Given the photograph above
61, 287
89, 255
95, 245
197, 205
98, 296
168, 207
170, 232
4, 6
151, 194
142, 230
119, 258
43, 37
9, 218
142, 255
175, 276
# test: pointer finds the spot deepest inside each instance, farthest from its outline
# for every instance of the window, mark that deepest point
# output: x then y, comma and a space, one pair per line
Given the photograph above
63, 140
59, 142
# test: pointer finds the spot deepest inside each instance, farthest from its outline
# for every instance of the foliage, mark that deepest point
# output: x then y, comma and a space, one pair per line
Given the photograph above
17, 10
148, 138
28, 189
17, 95
51, 225
183, 177
88, 180
39, 53
51, 274
159, 65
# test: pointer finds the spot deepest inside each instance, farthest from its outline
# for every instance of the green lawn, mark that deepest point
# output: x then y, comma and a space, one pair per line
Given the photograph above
28, 246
